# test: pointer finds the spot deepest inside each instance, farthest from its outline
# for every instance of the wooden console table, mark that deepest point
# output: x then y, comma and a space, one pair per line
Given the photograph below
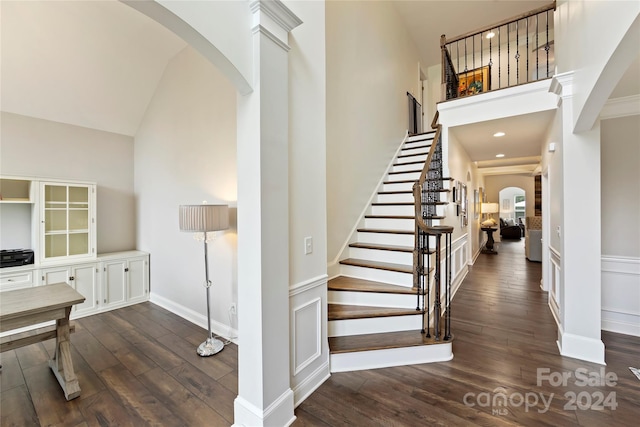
488, 248
30, 306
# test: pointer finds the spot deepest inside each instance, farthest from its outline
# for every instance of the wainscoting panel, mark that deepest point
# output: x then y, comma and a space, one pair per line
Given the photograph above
621, 295
555, 284
309, 342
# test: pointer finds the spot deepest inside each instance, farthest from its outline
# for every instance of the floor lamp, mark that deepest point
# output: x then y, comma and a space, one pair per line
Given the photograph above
204, 219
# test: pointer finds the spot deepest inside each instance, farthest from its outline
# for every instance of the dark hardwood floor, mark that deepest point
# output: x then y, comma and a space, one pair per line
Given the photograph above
504, 332
138, 366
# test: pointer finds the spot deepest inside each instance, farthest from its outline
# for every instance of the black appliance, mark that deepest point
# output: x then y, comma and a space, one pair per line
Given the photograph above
15, 257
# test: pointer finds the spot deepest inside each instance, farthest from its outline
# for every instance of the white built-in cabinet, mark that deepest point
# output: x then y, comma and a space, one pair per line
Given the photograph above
67, 219
125, 278
57, 219
82, 277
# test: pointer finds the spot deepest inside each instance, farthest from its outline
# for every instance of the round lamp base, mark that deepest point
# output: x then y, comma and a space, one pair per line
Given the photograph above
210, 347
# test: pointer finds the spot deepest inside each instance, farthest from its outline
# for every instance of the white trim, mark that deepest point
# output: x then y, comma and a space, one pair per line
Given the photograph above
194, 317
318, 351
505, 93
278, 413
360, 360
621, 107
562, 85
307, 285
581, 347
620, 312
311, 383
264, 31
278, 12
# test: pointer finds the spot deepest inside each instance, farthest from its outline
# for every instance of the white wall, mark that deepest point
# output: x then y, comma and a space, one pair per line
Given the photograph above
371, 65
307, 200
580, 28
40, 148
620, 139
185, 153
620, 160
460, 167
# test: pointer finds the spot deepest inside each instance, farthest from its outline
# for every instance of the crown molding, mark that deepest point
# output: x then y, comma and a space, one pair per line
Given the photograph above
621, 107
273, 19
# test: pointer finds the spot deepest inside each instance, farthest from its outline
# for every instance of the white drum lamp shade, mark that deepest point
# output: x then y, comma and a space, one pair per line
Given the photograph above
204, 218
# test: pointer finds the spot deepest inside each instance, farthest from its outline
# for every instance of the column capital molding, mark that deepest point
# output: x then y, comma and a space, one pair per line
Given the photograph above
274, 19
562, 85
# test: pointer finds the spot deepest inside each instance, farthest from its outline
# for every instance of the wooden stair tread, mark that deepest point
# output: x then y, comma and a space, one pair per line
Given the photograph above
406, 203
386, 340
404, 181
347, 312
344, 283
413, 162
395, 248
379, 230
390, 216
422, 153
379, 265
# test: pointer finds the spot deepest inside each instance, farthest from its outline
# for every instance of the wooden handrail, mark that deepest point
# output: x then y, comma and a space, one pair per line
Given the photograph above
550, 6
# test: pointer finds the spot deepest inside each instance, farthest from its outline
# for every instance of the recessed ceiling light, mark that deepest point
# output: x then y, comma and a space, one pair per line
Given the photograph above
491, 35
498, 134
500, 155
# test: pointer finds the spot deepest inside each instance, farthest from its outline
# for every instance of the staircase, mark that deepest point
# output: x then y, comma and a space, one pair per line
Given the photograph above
379, 303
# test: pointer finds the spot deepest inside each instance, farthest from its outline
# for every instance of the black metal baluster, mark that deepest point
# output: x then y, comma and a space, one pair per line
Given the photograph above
527, 29
546, 48
436, 313
428, 304
508, 56
537, 48
447, 324
499, 61
517, 53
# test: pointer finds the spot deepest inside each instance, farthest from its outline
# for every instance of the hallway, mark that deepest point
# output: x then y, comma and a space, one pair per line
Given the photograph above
503, 333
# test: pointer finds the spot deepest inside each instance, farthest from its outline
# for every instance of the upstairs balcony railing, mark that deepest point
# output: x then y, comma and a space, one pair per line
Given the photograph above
515, 51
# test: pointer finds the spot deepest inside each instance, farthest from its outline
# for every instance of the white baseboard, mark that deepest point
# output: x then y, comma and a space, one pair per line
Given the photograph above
582, 348
311, 383
279, 413
217, 328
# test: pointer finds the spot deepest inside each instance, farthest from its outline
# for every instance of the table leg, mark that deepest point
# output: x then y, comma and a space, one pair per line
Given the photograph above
61, 363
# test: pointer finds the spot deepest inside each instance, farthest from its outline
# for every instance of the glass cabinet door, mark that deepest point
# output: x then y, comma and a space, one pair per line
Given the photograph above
67, 220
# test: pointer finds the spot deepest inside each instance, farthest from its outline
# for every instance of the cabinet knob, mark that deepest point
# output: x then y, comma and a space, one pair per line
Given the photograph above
72, 278
126, 270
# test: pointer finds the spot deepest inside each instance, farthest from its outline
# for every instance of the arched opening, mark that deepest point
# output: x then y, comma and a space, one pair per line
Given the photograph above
512, 201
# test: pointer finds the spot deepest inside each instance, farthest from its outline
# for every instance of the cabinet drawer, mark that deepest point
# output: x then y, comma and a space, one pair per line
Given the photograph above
23, 279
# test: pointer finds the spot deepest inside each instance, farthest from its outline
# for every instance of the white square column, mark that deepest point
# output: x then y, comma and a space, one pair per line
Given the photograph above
264, 394
579, 334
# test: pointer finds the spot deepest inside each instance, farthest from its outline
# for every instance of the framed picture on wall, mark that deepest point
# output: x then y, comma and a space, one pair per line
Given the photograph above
476, 204
474, 81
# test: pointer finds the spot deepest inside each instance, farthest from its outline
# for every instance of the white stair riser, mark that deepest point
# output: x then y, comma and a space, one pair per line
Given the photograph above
394, 257
426, 137
404, 210
407, 168
386, 238
412, 153
377, 275
375, 325
389, 224
403, 176
401, 186
372, 299
393, 198
356, 361
413, 157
